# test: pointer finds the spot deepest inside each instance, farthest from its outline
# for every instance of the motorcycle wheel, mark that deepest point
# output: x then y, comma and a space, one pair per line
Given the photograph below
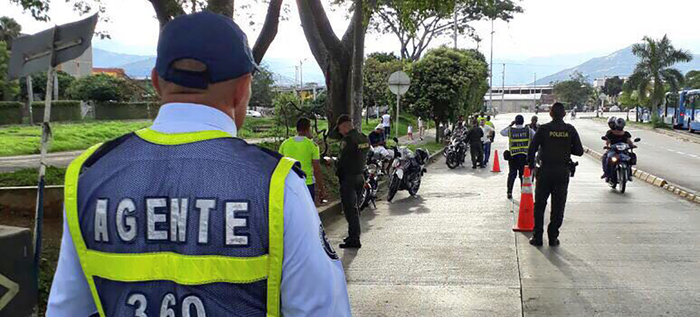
452, 162
364, 198
622, 179
393, 187
415, 186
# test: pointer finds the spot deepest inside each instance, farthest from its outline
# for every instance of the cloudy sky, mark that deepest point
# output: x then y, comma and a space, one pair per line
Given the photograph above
547, 28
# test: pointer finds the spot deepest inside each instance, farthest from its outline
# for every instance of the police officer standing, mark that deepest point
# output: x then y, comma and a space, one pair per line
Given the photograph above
183, 217
519, 137
351, 165
555, 142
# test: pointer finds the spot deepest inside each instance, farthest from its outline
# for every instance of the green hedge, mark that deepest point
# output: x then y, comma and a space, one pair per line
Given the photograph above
126, 110
11, 112
61, 110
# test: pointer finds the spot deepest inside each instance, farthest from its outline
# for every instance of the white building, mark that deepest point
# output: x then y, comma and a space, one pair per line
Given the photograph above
79, 67
509, 103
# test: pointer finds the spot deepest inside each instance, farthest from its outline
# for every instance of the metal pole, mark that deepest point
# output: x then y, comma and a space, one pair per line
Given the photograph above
398, 102
45, 141
503, 88
534, 92
30, 98
55, 86
491, 70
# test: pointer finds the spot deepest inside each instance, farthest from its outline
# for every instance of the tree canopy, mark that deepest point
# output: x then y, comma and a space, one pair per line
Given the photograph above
39, 84
575, 91
377, 69
8, 89
100, 87
692, 79
417, 23
446, 83
9, 30
262, 88
655, 68
613, 86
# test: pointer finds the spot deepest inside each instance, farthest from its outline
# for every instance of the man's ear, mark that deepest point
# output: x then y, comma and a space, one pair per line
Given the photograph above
242, 89
155, 81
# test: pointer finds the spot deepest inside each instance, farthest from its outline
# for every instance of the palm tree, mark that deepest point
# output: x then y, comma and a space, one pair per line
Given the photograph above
656, 58
9, 30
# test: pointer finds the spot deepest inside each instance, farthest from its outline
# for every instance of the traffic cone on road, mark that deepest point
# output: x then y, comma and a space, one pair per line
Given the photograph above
496, 165
526, 217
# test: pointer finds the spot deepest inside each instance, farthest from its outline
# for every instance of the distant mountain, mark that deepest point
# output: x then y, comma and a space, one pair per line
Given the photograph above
139, 66
522, 72
103, 58
620, 63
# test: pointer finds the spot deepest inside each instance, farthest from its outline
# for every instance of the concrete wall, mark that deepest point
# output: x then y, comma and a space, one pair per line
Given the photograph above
509, 106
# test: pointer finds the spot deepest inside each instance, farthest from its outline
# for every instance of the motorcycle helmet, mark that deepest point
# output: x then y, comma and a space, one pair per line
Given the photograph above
620, 123
422, 156
612, 122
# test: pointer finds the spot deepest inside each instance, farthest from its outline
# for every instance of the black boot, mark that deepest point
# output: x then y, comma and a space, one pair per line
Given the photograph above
351, 244
536, 241
554, 242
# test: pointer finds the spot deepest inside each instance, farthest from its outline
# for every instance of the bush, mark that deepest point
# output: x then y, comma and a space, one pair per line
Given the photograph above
11, 112
100, 88
126, 110
61, 110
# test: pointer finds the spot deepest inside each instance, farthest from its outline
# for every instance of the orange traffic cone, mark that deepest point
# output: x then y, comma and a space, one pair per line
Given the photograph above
526, 218
496, 165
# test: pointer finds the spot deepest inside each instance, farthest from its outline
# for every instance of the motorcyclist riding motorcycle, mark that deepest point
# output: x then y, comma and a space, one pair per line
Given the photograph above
615, 135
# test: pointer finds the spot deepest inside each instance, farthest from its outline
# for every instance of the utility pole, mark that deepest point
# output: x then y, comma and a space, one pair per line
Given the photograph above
503, 87
534, 91
491, 70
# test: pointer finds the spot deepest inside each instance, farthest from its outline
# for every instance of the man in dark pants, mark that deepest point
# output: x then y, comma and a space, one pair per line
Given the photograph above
351, 164
556, 142
519, 137
474, 137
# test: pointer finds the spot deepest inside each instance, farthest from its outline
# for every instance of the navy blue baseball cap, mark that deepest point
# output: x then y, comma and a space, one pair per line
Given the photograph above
210, 38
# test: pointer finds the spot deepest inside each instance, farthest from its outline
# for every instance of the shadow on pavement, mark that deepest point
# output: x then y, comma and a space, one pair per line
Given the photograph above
408, 205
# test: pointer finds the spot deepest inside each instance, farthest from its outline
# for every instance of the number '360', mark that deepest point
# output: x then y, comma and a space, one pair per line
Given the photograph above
140, 303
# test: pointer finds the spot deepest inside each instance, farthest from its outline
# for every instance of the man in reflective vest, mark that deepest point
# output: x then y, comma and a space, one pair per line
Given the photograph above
519, 138
183, 218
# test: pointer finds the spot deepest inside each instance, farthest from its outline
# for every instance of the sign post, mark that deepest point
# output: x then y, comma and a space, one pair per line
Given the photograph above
35, 53
399, 83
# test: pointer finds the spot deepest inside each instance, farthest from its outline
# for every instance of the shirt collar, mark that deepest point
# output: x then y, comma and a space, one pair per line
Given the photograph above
190, 117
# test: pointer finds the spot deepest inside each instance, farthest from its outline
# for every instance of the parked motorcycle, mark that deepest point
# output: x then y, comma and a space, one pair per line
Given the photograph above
456, 152
620, 165
374, 169
407, 170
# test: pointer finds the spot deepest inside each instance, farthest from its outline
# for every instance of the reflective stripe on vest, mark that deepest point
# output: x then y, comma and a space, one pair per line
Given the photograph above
519, 140
179, 268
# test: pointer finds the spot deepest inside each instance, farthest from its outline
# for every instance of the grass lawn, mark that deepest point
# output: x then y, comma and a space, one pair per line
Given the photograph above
29, 177
432, 147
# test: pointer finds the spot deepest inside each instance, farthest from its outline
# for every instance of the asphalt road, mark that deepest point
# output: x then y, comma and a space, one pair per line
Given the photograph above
675, 160
450, 251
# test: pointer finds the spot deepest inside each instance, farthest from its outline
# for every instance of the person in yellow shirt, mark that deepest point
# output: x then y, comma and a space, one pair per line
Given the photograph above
303, 149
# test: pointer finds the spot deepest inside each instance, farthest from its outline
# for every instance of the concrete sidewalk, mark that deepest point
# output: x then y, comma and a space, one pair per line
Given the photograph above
450, 251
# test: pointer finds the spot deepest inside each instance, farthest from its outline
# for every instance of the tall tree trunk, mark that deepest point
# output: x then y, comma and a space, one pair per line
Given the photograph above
358, 61
224, 7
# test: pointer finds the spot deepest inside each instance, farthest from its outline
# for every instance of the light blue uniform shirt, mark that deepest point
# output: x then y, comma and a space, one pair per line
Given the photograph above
312, 283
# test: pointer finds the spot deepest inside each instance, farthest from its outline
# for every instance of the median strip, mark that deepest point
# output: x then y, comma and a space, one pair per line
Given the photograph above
655, 180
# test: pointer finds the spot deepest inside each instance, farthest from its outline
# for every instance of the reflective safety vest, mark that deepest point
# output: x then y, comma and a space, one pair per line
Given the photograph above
187, 224
519, 141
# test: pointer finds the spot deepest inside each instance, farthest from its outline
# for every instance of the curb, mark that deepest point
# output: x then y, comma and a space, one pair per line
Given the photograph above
335, 208
656, 181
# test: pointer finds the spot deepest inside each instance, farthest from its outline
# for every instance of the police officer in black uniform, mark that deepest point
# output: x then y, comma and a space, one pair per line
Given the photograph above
351, 164
556, 142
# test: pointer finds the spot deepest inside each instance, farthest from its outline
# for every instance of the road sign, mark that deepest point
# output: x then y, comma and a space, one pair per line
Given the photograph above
35, 53
399, 83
